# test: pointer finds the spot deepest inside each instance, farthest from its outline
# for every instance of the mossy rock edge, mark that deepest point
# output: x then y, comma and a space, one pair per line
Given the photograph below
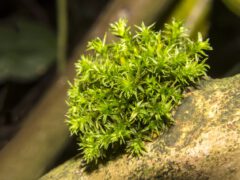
204, 143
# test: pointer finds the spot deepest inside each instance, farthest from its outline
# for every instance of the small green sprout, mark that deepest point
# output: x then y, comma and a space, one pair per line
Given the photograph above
124, 91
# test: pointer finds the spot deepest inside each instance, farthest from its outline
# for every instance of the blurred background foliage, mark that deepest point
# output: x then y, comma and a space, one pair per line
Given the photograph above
27, 49
233, 5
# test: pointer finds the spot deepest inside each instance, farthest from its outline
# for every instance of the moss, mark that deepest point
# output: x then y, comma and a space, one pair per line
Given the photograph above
124, 91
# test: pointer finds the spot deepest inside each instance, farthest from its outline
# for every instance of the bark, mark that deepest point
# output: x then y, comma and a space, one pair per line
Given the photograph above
204, 143
44, 134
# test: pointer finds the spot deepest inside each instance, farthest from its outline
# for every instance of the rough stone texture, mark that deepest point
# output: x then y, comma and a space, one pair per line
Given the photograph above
203, 144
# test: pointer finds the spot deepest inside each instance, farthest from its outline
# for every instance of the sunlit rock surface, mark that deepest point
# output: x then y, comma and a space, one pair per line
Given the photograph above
204, 143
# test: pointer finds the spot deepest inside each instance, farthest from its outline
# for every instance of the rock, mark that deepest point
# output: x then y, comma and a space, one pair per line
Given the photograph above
204, 143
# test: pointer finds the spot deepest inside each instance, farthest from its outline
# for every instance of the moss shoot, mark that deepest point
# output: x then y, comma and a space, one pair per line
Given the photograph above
125, 90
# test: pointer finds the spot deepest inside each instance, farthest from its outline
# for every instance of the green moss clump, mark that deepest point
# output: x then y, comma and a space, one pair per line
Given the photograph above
124, 91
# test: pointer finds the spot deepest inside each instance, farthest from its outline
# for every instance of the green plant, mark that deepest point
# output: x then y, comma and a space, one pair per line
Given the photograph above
124, 91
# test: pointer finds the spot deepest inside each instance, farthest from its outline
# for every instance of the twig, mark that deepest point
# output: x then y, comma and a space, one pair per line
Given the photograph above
62, 35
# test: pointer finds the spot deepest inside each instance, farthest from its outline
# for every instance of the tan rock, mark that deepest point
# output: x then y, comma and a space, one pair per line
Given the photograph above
204, 143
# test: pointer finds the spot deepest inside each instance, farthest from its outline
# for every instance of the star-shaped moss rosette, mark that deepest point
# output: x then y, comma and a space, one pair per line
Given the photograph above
124, 91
